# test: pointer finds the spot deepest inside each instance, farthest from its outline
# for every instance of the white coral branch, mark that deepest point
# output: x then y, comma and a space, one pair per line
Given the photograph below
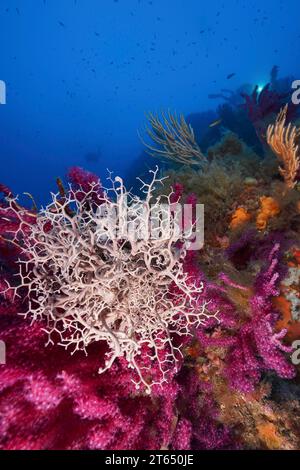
92, 280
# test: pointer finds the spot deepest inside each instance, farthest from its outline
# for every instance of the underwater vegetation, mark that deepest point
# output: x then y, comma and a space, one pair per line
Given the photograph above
118, 342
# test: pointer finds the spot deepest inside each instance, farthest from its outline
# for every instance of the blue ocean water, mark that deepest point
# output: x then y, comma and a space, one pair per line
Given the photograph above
81, 74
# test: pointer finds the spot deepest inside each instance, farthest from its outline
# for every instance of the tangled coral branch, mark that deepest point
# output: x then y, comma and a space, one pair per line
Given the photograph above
282, 140
97, 272
176, 139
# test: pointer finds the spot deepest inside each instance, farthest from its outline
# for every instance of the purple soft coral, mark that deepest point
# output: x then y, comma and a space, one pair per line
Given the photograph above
85, 183
199, 422
258, 346
261, 104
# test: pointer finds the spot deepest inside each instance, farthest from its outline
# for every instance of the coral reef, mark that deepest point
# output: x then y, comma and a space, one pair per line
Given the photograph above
50, 399
251, 274
195, 349
229, 145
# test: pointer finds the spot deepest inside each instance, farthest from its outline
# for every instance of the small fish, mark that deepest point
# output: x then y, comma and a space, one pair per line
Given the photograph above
230, 75
61, 24
215, 123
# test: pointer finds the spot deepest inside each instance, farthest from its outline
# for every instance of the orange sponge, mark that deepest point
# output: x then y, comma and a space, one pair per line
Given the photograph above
269, 208
239, 217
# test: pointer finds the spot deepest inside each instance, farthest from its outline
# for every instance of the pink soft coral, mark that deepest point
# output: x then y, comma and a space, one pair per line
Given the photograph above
50, 399
258, 347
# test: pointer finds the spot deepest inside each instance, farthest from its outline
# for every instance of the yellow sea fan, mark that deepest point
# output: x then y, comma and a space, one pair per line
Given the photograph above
282, 140
174, 138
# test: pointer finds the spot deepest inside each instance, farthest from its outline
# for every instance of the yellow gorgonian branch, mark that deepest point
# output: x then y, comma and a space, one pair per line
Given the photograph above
282, 140
175, 139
